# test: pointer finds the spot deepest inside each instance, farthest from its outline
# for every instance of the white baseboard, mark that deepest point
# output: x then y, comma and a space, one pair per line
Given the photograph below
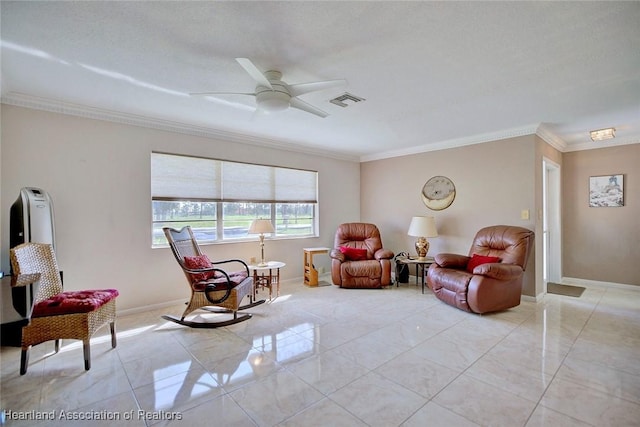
137, 310
565, 280
151, 307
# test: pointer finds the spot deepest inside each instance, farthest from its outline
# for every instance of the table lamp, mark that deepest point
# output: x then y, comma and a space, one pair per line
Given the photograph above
261, 226
422, 227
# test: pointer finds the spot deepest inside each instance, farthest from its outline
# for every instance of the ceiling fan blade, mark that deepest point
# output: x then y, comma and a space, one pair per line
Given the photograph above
301, 105
220, 93
254, 72
302, 88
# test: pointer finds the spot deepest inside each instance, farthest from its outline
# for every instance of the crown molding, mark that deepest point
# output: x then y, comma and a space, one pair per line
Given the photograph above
591, 145
84, 111
541, 130
550, 138
454, 143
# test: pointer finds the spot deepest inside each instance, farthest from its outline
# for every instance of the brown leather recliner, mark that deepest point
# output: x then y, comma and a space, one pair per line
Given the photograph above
489, 286
358, 259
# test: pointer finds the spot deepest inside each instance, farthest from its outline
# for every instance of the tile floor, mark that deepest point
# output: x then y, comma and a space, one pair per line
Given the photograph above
337, 357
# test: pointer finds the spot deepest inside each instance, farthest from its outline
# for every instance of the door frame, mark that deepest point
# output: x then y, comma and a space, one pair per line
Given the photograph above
551, 222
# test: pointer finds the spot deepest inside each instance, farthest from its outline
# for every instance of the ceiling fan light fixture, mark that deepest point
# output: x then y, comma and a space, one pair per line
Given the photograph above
273, 101
602, 134
273, 95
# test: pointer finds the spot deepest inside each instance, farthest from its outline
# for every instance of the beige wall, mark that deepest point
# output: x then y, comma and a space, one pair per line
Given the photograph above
601, 244
494, 182
97, 173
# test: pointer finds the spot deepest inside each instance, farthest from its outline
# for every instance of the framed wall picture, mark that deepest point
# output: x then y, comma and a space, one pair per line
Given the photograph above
606, 191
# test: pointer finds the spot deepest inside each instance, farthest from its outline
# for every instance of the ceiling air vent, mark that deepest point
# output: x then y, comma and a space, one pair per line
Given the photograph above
340, 100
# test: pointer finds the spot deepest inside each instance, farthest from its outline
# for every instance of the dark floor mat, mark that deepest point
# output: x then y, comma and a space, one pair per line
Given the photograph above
567, 290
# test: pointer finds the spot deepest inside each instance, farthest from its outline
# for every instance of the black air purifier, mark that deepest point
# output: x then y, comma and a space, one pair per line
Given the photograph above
30, 220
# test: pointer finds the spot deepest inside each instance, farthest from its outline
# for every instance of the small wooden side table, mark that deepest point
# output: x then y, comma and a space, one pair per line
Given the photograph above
425, 263
266, 276
310, 272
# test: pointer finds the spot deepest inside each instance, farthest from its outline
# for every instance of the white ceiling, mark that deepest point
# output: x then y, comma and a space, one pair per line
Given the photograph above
434, 74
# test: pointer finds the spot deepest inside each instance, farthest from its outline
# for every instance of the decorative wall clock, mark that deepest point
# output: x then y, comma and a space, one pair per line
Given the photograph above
438, 193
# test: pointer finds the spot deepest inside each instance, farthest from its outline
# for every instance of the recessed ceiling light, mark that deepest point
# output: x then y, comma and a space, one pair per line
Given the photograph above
600, 134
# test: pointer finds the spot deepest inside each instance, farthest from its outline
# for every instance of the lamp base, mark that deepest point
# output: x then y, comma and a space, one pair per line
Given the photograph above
422, 247
262, 263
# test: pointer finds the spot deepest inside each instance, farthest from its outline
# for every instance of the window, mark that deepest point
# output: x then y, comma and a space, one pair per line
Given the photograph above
220, 199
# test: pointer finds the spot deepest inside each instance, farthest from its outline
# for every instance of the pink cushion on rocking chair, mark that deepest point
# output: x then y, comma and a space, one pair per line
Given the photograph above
196, 263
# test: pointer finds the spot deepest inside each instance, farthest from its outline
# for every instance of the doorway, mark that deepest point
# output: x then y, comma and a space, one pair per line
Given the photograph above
551, 223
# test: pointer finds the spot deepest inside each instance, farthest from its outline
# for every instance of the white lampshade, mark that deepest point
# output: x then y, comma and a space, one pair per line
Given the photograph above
261, 226
423, 226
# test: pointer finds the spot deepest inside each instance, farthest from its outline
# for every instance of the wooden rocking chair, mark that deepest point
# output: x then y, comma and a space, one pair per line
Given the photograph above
211, 285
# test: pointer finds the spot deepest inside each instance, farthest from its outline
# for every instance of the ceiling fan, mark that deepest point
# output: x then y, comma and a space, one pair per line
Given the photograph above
272, 94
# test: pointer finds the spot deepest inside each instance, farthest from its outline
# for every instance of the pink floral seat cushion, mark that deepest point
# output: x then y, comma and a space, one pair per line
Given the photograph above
199, 281
236, 278
71, 302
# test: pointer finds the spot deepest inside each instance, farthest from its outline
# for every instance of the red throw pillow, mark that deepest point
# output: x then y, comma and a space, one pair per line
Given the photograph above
353, 254
198, 262
476, 260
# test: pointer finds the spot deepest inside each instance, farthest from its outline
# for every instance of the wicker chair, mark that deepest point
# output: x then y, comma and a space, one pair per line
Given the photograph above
211, 286
56, 314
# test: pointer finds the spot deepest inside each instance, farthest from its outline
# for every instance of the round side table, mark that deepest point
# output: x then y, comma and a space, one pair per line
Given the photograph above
266, 276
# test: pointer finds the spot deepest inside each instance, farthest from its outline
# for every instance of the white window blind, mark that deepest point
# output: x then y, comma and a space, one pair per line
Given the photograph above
246, 182
296, 185
183, 177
